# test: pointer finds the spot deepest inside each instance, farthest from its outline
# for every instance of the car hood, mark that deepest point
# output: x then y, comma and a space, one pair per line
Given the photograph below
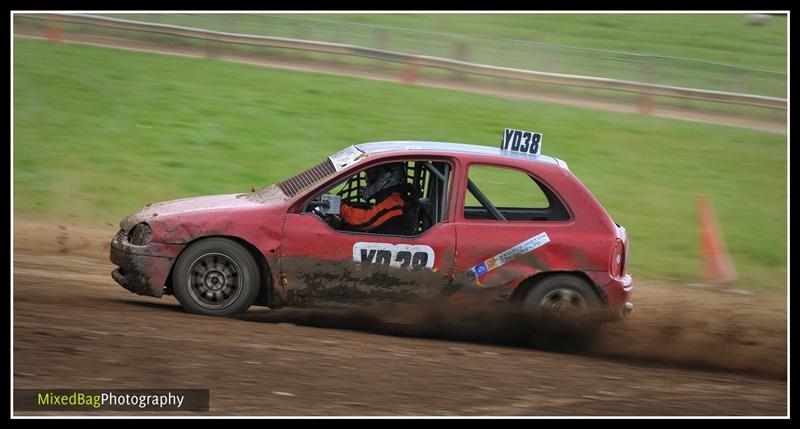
157, 211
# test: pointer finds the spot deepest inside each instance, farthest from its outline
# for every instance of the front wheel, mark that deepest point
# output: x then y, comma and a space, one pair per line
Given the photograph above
217, 277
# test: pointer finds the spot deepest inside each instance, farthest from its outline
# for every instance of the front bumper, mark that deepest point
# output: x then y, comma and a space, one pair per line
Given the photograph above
142, 270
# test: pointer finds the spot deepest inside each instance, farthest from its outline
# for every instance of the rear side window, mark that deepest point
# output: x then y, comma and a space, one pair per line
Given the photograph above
506, 194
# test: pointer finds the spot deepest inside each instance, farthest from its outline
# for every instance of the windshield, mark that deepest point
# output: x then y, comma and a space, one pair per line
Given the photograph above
336, 162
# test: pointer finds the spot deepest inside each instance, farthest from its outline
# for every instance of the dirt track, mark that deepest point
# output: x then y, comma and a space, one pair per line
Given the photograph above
683, 352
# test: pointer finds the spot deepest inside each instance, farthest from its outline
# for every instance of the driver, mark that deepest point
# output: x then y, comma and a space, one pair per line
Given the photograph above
387, 184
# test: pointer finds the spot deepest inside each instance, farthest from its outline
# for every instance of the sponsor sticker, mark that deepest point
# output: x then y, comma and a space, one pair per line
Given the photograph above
394, 255
509, 255
480, 269
345, 157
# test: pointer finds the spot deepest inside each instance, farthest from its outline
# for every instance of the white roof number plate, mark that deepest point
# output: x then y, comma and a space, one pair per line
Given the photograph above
521, 141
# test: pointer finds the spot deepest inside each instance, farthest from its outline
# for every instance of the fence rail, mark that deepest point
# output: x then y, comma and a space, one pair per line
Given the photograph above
415, 61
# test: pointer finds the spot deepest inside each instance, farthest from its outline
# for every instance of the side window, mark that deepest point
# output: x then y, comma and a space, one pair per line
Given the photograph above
506, 194
348, 190
396, 198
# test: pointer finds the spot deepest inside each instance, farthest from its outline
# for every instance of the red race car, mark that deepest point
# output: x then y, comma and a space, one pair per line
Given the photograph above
463, 223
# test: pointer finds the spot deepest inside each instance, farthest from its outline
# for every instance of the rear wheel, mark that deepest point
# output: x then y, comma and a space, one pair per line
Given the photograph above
567, 311
216, 276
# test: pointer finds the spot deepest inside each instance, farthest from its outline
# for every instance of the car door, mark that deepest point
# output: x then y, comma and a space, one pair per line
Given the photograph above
509, 226
323, 265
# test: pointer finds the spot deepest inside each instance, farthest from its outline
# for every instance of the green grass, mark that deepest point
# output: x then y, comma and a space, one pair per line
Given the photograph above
712, 37
545, 41
718, 37
684, 49
99, 132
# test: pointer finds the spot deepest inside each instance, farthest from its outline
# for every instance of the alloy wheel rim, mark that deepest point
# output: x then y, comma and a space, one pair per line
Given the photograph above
564, 303
214, 280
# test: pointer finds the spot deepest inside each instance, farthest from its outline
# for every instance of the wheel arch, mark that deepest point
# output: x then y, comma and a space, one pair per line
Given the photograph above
265, 293
528, 284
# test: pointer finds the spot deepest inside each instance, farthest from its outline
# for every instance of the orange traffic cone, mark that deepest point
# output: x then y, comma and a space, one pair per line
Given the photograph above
54, 32
719, 269
410, 74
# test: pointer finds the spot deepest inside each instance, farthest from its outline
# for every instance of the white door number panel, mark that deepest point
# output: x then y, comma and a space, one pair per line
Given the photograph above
521, 141
394, 255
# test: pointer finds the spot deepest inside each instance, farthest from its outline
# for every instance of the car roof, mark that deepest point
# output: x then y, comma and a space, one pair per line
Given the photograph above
451, 148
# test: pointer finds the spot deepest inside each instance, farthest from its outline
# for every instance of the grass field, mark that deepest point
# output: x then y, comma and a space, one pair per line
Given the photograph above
98, 133
707, 51
711, 37
683, 49
718, 37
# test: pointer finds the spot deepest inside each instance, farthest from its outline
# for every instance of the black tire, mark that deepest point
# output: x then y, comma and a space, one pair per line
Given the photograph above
216, 277
567, 312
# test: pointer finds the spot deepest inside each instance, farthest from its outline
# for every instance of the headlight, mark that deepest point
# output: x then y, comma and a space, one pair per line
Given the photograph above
141, 234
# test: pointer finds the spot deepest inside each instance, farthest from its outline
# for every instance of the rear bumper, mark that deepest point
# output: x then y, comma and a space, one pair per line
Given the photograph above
142, 270
618, 293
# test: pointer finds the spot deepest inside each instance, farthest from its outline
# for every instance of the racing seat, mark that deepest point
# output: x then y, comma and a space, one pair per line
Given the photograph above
402, 225
424, 216
416, 218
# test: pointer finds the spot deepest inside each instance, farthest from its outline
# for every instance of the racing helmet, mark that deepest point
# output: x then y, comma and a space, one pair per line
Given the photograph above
382, 178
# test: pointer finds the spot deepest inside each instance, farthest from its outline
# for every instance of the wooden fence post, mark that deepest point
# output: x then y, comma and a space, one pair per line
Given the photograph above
646, 100
460, 53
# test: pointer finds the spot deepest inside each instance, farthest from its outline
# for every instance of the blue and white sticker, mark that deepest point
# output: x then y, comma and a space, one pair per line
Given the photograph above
509, 255
521, 141
394, 255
